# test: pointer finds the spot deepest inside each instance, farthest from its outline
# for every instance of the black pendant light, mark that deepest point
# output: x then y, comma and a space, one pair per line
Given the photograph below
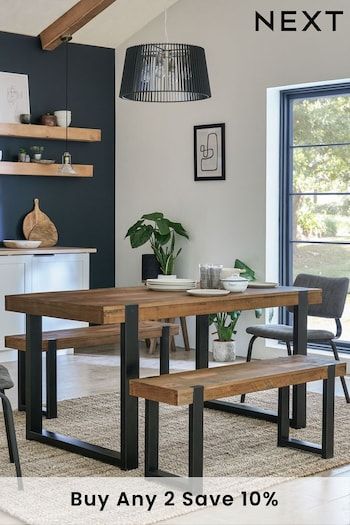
165, 73
66, 167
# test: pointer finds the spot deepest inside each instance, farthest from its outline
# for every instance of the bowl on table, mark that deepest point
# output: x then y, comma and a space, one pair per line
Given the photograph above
235, 284
227, 273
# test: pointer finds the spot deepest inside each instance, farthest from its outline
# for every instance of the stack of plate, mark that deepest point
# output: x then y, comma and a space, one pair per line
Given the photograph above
170, 285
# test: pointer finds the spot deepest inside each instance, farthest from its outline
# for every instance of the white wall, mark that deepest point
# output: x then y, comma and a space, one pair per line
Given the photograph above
155, 141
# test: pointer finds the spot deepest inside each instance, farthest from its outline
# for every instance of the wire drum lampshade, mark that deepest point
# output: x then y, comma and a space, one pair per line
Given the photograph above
165, 73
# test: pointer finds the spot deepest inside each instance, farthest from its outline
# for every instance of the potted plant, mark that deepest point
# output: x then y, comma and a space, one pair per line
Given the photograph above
22, 155
161, 233
37, 152
224, 347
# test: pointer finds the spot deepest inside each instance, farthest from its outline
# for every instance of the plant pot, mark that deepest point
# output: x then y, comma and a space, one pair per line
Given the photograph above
37, 156
224, 351
22, 157
163, 277
150, 266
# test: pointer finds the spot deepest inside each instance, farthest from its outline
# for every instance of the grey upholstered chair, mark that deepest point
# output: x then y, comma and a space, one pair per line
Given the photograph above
334, 291
6, 383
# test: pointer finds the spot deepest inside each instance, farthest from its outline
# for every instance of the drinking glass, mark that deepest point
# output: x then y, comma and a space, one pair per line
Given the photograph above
209, 275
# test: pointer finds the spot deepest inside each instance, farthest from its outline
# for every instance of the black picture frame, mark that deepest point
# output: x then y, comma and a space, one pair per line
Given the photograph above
217, 162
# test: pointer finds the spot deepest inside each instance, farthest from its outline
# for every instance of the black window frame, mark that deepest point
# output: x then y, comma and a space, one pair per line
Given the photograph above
286, 181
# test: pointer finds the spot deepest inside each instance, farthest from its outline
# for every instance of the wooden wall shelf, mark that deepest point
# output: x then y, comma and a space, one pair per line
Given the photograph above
34, 131
43, 170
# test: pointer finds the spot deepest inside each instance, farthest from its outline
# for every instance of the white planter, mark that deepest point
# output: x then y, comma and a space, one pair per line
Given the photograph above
224, 351
64, 118
163, 277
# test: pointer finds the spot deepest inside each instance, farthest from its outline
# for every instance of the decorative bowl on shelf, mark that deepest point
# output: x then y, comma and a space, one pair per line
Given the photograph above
43, 161
21, 244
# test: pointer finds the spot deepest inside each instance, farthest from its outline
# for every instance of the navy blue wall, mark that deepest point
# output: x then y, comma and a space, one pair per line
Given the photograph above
82, 209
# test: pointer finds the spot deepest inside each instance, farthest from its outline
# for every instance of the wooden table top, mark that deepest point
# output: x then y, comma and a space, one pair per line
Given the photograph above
106, 306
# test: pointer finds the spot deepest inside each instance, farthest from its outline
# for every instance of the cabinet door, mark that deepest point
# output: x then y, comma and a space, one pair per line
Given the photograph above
55, 273
15, 276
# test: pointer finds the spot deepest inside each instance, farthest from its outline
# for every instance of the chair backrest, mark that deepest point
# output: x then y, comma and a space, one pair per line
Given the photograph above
334, 291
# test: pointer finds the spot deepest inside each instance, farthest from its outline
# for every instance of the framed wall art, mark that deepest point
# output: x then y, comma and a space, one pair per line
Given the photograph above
209, 152
14, 96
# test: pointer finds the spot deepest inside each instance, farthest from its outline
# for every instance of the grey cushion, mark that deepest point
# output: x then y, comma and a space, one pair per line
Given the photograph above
334, 291
5, 379
282, 332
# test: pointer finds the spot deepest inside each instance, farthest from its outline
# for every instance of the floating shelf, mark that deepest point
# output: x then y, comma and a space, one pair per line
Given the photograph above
34, 131
43, 170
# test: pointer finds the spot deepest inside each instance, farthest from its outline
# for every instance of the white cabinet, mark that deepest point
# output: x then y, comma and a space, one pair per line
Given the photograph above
39, 273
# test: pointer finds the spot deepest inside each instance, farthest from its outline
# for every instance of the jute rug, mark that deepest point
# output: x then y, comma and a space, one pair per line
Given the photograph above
234, 445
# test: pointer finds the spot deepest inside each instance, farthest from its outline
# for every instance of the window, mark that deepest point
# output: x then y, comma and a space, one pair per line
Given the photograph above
315, 189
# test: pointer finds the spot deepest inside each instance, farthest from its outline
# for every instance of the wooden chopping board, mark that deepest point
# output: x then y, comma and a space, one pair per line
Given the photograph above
38, 227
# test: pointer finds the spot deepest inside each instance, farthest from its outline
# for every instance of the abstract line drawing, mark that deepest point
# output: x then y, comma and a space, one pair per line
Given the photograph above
14, 96
210, 153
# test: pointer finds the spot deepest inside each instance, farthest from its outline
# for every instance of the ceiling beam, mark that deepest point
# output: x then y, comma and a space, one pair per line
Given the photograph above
73, 20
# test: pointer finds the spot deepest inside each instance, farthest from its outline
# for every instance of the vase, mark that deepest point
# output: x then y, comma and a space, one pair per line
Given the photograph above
150, 266
224, 351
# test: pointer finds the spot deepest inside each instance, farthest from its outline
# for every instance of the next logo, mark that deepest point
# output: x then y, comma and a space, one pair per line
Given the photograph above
287, 20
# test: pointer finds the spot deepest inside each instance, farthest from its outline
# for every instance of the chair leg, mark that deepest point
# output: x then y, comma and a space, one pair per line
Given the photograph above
342, 378
21, 384
11, 433
153, 346
185, 333
249, 358
289, 348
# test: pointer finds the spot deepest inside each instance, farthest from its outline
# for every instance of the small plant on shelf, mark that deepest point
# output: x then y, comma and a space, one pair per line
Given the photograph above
37, 152
22, 155
161, 234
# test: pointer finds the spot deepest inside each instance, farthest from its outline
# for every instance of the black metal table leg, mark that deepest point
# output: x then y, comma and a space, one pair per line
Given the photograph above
300, 348
51, 380
129, 369
202, 341
195, 456
151, 437
21, 386
33, 375
328, 414
164, 350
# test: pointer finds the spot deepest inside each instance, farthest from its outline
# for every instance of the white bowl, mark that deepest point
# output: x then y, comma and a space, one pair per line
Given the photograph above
21, 244
235, 285
64, 118
227, 273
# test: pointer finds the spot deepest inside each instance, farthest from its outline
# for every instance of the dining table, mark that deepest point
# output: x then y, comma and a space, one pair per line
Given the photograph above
128, 306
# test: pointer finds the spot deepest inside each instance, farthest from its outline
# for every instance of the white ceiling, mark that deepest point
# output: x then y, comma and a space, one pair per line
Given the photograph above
110, 28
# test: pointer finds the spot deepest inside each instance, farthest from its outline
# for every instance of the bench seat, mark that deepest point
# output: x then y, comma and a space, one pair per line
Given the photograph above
90, 336
195, 387
231, 380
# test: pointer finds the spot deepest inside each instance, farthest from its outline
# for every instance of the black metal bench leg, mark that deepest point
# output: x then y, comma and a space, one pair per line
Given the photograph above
51, 380
249, 358
328, 414
10, 433
21, 385
327, 448
151, 437
195, 456
283, 416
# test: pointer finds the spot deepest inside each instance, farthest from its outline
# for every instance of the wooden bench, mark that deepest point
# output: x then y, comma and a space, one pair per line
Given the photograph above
195, 387
91, 336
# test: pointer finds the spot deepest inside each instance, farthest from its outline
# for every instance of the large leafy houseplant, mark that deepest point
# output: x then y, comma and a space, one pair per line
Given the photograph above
225, 322
161, 233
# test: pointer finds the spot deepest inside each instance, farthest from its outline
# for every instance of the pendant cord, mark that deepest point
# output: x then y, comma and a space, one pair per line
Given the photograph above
66, 94
166, 25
